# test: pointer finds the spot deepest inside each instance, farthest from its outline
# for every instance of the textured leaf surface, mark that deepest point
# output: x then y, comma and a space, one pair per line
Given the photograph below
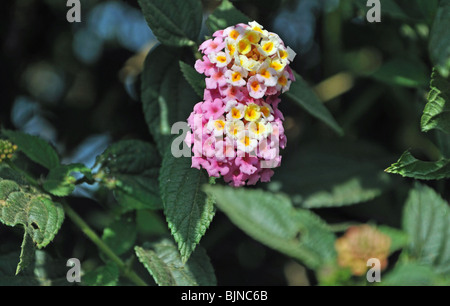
187, 208
174, 22
166, 96
133, 167
40, 217
304, 96
427, 221
224, 16
164, 263
37, 149
436, 114
409, 166
271, 219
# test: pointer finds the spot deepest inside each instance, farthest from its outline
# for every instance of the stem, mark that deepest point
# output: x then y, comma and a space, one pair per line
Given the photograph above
130, 274
126, 271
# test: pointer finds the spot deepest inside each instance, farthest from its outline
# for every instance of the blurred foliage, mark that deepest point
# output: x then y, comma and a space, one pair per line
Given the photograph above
78, 86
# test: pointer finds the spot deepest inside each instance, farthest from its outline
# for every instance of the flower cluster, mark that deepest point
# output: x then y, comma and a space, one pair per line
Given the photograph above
359, 244
237, 130
7, 150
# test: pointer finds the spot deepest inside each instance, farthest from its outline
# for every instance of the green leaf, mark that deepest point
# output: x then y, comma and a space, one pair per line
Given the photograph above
439, 44
121, 235
107, 275
60, 181
42, 271
175, 23
37, 149
166, 96
305, 97
27, 252
402, 72
148, 222
332, 174
428, 8
426, 219
164, 263
271, 219
131, 169
187, 208
411, 274
40, 217
195, 79
409, 166
399, 239
436, 114
225, 15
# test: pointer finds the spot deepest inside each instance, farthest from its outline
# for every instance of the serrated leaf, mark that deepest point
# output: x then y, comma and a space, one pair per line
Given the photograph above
409, 166
40, 217
164, 263
166, 96
195, 79
132, 169
37, 149
304, 96
107, 275
60, 181
188, 210
439, 44
121, 235
426, 219
271, 219
436, 114
225, 15
332, 174
174, 22
27, 251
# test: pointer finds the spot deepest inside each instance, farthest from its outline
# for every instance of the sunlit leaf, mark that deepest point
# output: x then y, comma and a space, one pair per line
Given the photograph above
271, 219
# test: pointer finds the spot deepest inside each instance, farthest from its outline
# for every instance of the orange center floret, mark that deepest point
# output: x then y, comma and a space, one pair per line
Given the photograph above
235, 113
266, 111
219, 124
236, 76
222, 59
234, 34
282, 80
246, 141
265, 73
268, 46
255, 85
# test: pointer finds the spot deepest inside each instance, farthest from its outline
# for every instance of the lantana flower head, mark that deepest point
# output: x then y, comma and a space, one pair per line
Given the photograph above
237, 131
359, 244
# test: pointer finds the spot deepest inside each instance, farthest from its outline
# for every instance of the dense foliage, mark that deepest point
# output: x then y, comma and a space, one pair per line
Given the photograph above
86, 169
